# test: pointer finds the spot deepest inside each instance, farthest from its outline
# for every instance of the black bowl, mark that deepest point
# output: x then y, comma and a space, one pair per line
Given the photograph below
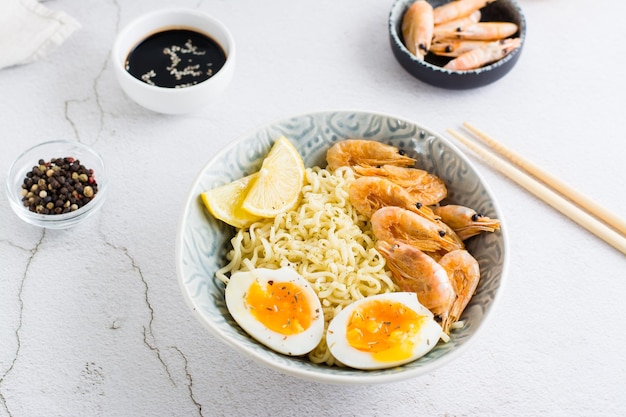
431, 70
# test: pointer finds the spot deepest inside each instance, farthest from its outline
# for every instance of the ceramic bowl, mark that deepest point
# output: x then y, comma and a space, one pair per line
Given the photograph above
46, 151
203, 242
431, 70
173, 100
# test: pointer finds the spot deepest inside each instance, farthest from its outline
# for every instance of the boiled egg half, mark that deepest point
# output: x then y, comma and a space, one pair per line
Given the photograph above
382, 331
278, 308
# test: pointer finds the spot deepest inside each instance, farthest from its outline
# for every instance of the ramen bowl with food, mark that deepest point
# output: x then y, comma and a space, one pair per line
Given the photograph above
205, 255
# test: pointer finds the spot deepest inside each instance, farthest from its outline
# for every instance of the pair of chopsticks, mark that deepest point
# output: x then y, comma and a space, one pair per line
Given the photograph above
579, 208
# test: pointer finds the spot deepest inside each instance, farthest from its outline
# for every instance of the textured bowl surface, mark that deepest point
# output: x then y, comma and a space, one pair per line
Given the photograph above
46, 151
431, 70
202, 241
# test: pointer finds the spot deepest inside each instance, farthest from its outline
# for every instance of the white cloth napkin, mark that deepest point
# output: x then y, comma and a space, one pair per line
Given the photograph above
29, 31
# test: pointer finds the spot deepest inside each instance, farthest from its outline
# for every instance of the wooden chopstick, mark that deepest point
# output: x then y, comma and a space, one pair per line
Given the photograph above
561, 187
550, 197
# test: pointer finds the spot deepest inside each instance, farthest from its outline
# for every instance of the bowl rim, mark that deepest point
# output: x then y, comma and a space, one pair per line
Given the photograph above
56, 221
395, 17
229, 49
321, 377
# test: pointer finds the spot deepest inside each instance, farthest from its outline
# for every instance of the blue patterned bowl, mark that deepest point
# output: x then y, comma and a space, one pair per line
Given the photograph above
202, 241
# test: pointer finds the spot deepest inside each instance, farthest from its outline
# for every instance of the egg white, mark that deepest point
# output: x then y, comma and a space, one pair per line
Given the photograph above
424, 341
293, 345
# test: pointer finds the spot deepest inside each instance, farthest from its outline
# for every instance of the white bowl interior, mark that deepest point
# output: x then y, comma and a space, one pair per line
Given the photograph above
203, 242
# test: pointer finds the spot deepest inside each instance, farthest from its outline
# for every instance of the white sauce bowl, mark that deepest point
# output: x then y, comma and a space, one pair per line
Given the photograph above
164, 99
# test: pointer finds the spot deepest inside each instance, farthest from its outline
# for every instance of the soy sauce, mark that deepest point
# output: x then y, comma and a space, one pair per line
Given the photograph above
175, 58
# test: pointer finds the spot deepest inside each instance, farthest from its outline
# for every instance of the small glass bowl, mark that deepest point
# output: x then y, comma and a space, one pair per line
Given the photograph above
46, 151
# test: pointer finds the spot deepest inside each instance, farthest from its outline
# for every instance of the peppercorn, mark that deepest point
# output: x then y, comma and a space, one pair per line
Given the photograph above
58, 186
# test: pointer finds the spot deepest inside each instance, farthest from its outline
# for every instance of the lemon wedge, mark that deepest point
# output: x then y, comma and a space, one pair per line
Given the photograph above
277, 187
224, 202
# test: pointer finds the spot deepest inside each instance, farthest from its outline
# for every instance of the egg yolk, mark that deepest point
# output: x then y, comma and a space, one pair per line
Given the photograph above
281, 307
386, 329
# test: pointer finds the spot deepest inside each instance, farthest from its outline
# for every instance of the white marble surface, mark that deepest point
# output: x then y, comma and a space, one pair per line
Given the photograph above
92, 322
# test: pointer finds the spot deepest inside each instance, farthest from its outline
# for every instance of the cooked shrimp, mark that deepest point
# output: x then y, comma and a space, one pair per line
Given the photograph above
351, 152
414, 271
417, 28
466, 222
464, 273
481, 31
457, 9
368, 194
473, 17
487, 54
397, 224
425, 188
455, 47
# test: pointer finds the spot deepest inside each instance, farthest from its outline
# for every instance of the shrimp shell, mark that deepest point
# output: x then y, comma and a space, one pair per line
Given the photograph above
473, 17
417, 28
481, 31
455, 47
368, 194
464, 274
361, 152
423, 187
466, 222
457, 9
414, 271
397, 224
484, 55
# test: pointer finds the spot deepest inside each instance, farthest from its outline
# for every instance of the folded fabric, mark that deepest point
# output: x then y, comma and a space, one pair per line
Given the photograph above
29, 31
